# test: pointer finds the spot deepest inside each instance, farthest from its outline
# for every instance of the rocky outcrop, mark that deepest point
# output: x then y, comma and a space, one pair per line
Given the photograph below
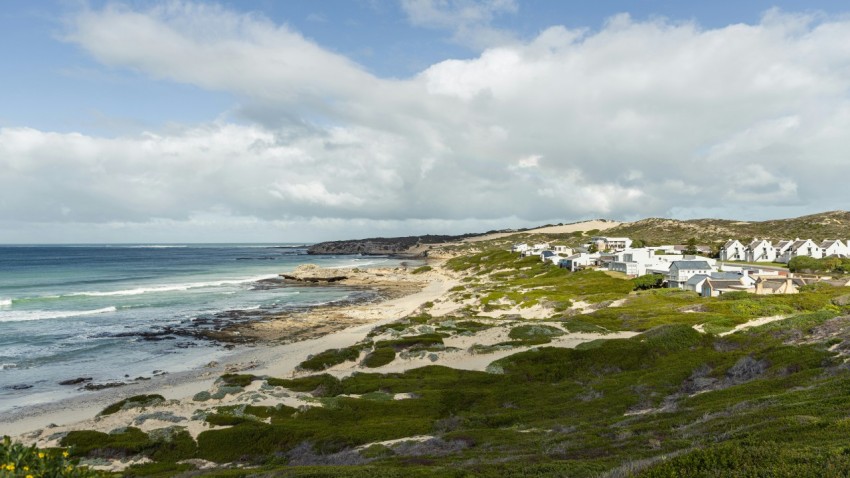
381, 245
312, 273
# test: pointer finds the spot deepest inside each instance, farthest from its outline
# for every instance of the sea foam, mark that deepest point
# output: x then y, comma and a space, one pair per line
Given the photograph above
170, 288
27, 315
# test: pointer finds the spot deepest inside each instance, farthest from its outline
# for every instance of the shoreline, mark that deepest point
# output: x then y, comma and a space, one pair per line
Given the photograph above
267, 354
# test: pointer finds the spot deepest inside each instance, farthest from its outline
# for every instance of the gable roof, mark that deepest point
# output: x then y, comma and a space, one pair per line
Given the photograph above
730, 243
757, 242
696, 279
694, 265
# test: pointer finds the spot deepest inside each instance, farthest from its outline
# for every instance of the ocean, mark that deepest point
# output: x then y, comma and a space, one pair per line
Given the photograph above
109, 312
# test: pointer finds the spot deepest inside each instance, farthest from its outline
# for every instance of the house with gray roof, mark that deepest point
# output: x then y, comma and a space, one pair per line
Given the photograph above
834, 248
760, 250
800, 247
681, 271
733, 250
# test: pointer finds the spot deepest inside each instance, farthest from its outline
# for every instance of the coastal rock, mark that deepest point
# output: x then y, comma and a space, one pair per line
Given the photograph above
101, 386
313, 273
20, 386
76, 381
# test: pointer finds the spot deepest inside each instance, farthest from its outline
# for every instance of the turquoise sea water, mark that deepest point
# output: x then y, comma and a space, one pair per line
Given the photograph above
106, 312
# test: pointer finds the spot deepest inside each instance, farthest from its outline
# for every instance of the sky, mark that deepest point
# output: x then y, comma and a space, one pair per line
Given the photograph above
267, 121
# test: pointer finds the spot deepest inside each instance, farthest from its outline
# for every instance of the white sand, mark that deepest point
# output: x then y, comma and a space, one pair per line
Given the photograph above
278, 361
565, 229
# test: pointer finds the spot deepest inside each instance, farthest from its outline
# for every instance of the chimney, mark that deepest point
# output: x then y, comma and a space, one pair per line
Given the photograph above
759, 287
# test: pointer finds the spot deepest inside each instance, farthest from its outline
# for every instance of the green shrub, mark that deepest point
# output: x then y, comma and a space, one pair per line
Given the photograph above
379, 357
137, 401
238, 380
17, 460
412, 342
329, 358
421, 270
323, 385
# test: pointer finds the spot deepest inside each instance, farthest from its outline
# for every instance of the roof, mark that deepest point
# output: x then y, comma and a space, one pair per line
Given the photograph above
799, 243
696, 279
756, 243
730, 243
724, 284
698, 265
829, 243
726, 276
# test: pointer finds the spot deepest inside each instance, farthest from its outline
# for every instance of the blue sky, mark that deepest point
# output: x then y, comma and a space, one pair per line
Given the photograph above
430, 98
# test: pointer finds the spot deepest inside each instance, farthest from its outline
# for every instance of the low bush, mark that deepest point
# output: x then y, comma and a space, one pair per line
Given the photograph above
238, 380
137, 401
17, 460
422, 270
379, 357
329, 358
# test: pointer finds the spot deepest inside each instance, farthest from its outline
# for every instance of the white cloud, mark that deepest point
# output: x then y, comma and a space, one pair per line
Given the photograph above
638, 118
468, 20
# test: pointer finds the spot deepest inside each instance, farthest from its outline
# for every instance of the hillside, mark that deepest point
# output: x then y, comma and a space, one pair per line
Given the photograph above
655, 231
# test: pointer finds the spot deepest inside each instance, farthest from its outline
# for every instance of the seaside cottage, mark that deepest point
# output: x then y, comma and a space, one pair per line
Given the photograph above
732, 251
800, 247
604, 243
760, 250
834, 248
681, 271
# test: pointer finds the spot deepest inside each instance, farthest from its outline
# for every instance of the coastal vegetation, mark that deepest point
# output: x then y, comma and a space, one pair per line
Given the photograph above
663, 383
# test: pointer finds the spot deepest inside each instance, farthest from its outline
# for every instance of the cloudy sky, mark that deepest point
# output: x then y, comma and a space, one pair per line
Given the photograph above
247, 121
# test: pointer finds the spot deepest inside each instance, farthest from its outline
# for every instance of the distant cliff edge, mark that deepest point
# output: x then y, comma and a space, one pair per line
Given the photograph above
383, 245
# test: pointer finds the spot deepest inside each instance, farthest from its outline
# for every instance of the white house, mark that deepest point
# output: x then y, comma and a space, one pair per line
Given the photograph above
834, 248
760, 250
800, 247
733, 250
604, 243
521, 247
681, 271
781, 248
562, 250
577, 261
630, 268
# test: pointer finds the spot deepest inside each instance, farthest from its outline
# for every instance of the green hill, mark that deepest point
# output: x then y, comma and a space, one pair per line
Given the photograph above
656, 231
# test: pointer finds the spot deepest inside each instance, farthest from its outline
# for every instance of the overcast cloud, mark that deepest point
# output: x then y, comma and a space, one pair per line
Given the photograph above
633, 119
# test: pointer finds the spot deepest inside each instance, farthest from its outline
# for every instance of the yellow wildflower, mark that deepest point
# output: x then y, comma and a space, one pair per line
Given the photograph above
29, 476
70, 468
26, 468
10, 467
41, 455
65, 454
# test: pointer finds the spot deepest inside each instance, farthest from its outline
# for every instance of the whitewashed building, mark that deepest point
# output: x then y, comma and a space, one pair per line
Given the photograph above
801, 247
834, 248
681, 271
760, 250
733, 250
605, 243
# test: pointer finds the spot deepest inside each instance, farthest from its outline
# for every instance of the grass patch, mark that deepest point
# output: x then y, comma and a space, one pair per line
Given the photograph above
138, 401
422, 270
379, 357
329, 358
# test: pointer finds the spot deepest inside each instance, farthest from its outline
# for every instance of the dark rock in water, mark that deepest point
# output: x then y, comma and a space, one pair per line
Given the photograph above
101, 386
138, 379
75, 381
20, 386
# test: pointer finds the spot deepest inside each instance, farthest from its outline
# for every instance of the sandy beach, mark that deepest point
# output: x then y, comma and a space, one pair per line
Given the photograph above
306, 332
